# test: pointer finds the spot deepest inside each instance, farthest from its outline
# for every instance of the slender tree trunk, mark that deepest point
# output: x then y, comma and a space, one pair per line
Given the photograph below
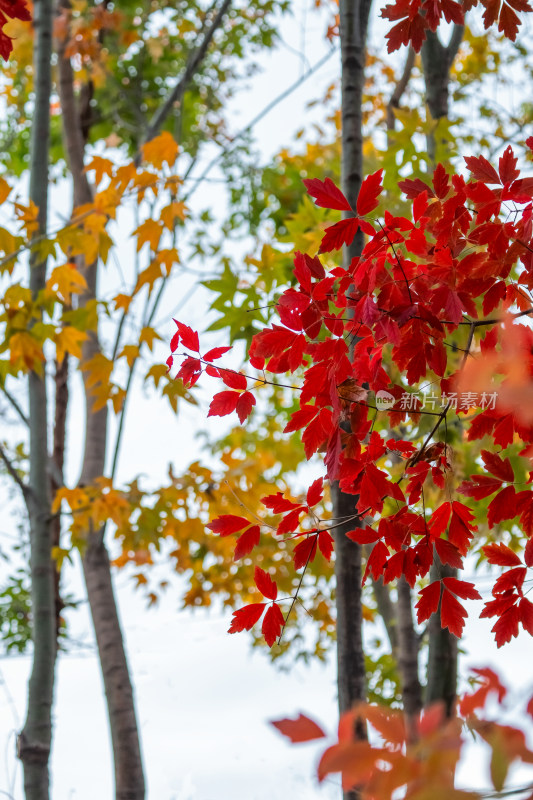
129, 775
35, 739
437, 60
408, 646
351, 678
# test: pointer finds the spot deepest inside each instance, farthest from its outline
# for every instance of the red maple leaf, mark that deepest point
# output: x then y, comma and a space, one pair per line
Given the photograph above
265, 584
301, 729
326, 194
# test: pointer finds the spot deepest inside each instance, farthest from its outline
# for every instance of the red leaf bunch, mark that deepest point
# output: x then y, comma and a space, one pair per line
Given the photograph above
430, 288
11, 9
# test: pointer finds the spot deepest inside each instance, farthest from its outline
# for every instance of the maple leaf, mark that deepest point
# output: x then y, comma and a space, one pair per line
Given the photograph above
223, 403
314, 493
244, 406
326, 194
301, 729
227, 524
367, 199
245, 618
272, 624
501, 555
305, 551
265, 584
342, 233
189, 338
428, 601
246, 542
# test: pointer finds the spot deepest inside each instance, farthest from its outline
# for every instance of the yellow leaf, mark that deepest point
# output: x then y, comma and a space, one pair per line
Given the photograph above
99, 369
69, 340
122, 301
147, 336
100, 166
25, 349
118, 396
149, 276
168, 257
28, 216
156, 372
66, 281
130, 352
5, 189
172, 212
149, 231
162, 148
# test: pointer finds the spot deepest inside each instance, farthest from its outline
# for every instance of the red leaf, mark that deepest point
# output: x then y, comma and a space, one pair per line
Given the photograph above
301, 418
227, 524
528, 553
452, 614
272, 624
314, 493
501, 555
174, 342
507, 626
189, 338
301, 729
503, 506
326, 194
463, 589
439, 519
246, 617
223, 403
479, 487
481, 169
279, 504
290, 522
244, 406
235, 380
412, 187
448, 553
246, 543
367, 200
507, 166
272, 342
305, 551
497, 466
325, 544
265, 584
215, 353
428, 601
342, 232
377, 561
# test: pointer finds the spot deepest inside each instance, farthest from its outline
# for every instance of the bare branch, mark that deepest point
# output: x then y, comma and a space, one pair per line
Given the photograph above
400, 88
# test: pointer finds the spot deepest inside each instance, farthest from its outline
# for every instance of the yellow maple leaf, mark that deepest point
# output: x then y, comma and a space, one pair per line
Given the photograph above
65, 281
149, 231
148, 335
160, 149
149, 276
100, 166
172, 212
122, 301
130, 352
5, 189
25, 350
68, 340
98, 369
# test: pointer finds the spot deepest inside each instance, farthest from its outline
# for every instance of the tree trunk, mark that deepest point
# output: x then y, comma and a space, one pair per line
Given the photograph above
442, 657
129, 775
351, 679
34, 741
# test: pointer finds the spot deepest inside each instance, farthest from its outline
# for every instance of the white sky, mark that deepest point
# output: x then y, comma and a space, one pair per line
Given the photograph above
204, 698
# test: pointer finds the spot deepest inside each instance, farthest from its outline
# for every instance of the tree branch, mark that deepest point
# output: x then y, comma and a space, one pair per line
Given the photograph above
400, 88
176, 95
24, 487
